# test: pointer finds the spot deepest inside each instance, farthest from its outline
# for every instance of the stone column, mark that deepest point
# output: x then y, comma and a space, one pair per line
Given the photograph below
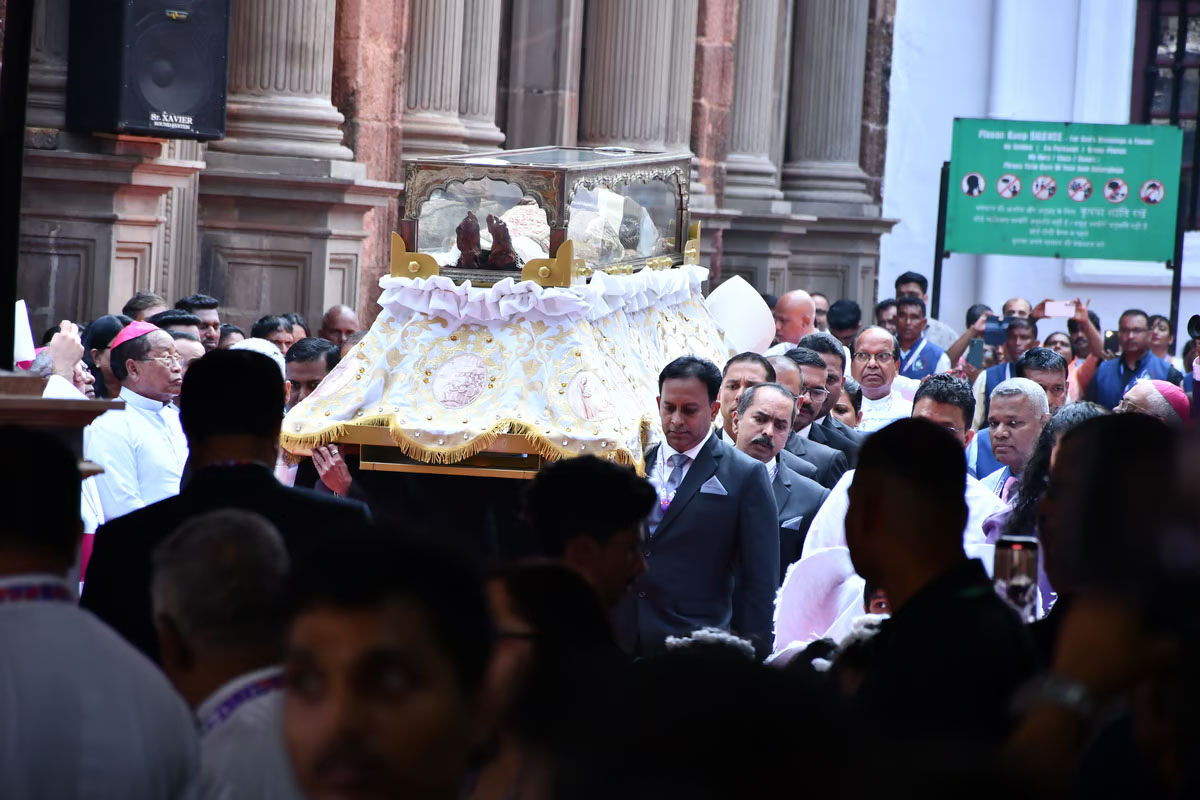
626, 73
282, 202
181, 247
480, 70
44, 107
433, 92
543, 75
280, 79
750, 172
679, 88
825, 114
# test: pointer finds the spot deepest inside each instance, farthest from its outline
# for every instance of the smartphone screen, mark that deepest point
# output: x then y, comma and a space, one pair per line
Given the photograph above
1111, 343
975, 353
1014, 574
1060, 308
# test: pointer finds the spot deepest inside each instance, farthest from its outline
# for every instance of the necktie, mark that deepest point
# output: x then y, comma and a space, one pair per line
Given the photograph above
667, 493
1010, 487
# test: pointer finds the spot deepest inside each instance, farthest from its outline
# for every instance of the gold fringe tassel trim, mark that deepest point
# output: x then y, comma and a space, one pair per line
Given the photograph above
540, 444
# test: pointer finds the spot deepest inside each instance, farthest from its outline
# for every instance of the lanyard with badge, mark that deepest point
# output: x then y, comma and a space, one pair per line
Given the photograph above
916, 351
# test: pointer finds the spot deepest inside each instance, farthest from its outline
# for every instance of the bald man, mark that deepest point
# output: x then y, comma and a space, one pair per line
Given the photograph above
338, 324
795, 317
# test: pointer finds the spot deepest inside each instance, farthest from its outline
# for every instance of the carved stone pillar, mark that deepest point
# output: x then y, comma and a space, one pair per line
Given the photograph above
433, 91
825, 114
543, 75
48, 65
626, 74
180, 243
750, 171
679, 88
280, 79
281, 205
480, 69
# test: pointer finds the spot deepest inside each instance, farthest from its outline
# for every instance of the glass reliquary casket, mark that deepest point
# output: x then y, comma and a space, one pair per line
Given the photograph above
483, 216
534, 297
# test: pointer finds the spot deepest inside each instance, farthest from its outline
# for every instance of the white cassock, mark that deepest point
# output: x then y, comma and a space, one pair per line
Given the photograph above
85, 714
879, 413
821, 594
242, 751
143, 451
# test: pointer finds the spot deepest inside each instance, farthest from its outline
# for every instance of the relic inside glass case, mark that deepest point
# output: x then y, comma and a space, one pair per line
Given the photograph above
483, 216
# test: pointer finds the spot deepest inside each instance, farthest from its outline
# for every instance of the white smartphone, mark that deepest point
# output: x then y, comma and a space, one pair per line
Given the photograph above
1060, 308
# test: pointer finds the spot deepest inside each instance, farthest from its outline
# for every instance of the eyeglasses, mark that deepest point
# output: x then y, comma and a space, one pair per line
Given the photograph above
815, 393
883, 359
167, 359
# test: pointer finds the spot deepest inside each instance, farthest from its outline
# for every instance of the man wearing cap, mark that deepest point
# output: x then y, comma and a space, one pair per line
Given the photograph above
1160, 399
141, 447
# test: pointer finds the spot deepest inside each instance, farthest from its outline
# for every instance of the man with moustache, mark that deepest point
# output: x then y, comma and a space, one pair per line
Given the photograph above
763, 422
827, 429
715, 515
1047, 369
1019, 411
741, 372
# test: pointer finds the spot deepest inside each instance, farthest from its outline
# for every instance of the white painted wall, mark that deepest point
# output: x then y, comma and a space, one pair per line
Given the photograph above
1059, 60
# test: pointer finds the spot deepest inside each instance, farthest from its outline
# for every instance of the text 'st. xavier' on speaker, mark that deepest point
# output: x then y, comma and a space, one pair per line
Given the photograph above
148, 67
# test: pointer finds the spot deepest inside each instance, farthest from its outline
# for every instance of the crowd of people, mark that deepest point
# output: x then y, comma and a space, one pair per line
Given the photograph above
815, 571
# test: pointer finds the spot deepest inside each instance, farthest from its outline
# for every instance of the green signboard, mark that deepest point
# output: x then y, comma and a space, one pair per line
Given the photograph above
1063, 189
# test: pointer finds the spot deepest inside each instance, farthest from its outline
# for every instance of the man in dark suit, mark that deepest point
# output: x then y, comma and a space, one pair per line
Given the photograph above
763, 421
828, 430
715, 515
232, 457
740, 373
830, 463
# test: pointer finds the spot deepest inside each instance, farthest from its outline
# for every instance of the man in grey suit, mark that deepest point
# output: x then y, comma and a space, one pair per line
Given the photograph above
830, 463
826, 429
763, 421
740, 373
715, 515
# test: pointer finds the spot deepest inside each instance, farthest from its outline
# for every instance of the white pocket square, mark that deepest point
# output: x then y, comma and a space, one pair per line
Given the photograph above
792, 524
713, 486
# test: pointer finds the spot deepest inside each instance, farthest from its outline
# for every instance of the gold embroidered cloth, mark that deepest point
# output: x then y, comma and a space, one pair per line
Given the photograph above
448, 367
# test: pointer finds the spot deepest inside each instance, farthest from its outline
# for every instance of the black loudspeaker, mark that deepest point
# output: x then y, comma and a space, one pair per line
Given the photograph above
148, 67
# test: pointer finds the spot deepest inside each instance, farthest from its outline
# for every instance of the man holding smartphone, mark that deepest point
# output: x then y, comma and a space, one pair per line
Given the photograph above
1116, 376
1020, 337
